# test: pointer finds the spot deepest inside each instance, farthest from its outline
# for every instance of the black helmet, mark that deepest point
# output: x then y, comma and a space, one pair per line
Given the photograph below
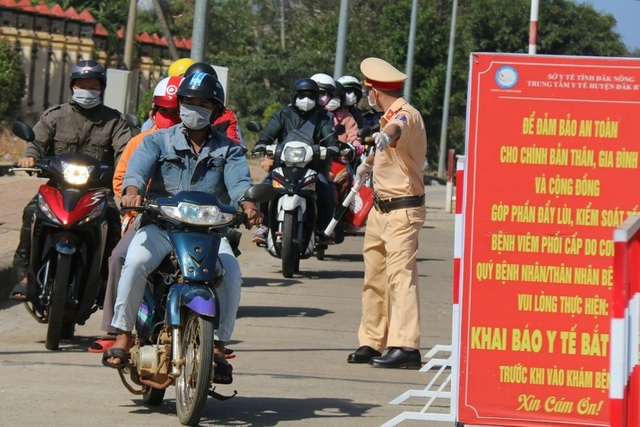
305, 85
202, 85
88, 69
339, 92
201, 67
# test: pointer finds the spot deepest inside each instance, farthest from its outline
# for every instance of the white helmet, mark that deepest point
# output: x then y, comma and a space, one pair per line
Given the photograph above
325, 82
350, 81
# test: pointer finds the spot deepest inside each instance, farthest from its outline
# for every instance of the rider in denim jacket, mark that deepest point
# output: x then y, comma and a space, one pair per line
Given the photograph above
187, 156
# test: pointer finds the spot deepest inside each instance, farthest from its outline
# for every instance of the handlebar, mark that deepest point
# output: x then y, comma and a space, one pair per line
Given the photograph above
17, 169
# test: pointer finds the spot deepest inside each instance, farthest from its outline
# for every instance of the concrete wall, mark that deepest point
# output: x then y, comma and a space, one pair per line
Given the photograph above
47, 59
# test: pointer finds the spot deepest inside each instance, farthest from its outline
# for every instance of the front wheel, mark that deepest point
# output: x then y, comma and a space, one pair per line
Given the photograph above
196, 349
58, 302
289, 248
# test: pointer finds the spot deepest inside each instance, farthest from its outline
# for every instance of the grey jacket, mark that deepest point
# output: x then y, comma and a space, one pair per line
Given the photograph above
100, 132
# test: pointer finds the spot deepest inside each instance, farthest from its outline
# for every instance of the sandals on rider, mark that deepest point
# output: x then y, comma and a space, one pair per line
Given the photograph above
122, 339
19, 292
103, 344
223, 370
116, 353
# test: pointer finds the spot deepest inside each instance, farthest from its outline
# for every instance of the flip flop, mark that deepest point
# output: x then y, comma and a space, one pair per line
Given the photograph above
228, 353
104, 343
19, 292
223, 371
119, 353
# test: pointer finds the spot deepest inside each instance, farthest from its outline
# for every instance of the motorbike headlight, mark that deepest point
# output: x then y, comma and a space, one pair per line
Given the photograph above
197, 215
76, 174
46, 210
294, 154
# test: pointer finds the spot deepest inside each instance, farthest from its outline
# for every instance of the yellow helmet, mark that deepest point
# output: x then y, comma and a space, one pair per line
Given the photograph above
179, 67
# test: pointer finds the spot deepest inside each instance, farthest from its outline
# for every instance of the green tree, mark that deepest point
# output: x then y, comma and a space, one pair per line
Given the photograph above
111, 14
245, 35
12, 82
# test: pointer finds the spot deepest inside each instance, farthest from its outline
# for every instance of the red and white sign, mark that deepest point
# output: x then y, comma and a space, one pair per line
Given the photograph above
552, 168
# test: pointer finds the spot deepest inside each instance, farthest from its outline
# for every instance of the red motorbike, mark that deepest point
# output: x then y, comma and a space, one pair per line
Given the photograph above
342, 180
68, 237
353, 208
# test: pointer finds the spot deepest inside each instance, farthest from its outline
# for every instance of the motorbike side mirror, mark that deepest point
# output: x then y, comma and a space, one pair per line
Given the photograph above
254, 126
23, 131
260, 193
133, 121
339, 129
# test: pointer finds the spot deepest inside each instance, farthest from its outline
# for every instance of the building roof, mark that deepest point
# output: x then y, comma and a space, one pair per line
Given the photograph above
85, 16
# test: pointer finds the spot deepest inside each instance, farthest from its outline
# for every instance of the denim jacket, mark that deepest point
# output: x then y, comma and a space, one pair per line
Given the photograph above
166, 158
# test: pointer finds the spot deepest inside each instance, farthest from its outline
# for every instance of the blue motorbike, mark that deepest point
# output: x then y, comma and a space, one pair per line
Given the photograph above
175, 325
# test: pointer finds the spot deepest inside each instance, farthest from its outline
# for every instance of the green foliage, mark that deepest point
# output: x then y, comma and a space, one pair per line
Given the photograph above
12, 82
246, 37
144, 106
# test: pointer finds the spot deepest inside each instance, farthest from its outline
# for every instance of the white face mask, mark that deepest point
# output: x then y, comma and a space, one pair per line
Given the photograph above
333, 105
350, 99
86, 98
373, 104
305, 104
194, 117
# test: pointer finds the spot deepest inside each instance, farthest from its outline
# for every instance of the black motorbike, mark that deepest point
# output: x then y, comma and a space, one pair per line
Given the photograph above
292, 214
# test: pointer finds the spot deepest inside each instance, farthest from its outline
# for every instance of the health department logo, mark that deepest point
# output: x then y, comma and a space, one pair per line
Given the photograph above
506, 77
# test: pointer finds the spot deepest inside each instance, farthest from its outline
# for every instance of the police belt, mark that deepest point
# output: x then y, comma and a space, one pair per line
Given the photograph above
386, 206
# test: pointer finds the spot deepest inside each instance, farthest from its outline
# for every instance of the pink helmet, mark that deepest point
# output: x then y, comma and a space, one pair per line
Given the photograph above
166, 92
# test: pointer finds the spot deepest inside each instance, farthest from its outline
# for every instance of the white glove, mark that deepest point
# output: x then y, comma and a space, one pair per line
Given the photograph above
382, 140
363, 171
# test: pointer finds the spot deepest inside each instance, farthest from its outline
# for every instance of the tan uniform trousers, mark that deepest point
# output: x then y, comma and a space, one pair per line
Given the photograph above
390, 297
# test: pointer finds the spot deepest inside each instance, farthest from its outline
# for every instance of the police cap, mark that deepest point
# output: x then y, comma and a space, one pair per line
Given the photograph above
382, 75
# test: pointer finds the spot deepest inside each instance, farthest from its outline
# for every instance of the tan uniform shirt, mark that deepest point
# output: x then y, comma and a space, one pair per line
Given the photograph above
397, 172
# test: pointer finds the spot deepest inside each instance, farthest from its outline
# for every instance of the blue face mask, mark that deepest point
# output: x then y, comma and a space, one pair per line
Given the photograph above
86, 98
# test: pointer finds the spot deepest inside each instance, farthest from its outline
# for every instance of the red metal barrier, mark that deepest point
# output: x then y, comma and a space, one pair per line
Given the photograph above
625, 372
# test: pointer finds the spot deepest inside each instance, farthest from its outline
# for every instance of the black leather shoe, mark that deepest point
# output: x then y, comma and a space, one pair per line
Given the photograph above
398, 358
362, 355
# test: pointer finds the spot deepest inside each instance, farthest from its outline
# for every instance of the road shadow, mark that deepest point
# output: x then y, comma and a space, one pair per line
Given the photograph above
302, 275
263, 411
266, 411
267, 312
343, 257
331, 274
77, 344
250, 282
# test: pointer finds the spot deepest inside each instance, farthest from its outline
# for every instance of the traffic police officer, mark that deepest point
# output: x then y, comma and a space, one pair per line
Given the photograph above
391, 238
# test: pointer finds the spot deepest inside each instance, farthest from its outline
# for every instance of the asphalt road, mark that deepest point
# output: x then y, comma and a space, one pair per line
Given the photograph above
292, 339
